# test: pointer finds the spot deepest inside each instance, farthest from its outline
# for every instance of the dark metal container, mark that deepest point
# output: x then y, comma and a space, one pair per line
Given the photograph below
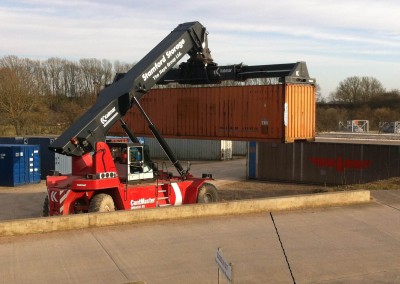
323, 163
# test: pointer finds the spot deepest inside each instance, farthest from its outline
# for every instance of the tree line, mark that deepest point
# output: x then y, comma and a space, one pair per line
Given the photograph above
358, 98
37, 95
46, 96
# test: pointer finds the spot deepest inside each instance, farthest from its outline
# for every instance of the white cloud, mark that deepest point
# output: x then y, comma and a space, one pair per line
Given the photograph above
357, 35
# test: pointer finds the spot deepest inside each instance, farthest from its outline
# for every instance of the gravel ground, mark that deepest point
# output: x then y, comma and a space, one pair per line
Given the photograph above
259, 189
27, 201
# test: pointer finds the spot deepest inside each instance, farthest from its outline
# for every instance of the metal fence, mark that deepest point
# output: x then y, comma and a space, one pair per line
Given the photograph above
354, 126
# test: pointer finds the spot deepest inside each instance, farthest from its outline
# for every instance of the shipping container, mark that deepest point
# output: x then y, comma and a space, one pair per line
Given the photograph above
239, 148
62, 164
47, 157
189, 149
279, 113
323, 163
19, 164
49, 160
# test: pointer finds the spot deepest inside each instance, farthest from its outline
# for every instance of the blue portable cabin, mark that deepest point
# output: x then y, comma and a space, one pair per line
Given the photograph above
48, 158
19, 164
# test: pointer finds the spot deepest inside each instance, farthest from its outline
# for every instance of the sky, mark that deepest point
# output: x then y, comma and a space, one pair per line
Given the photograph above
337, 39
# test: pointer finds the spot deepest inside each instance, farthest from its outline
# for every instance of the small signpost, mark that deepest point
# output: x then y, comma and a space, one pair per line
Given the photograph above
227, 268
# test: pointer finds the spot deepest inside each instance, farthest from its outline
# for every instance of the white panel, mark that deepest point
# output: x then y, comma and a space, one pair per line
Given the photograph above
191, 149
239, 148
63, 164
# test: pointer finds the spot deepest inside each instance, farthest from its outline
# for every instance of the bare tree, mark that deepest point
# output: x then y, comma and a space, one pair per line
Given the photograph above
72, 79
108, 73
54, 91
357, 89
319, 98
53, 72
96, 74
385, 115
92, 75
17, 97
120, 67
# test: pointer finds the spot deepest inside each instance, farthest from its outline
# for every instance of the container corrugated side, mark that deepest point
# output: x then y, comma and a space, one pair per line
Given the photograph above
239, 148
47, 157
225, 113
63, 164
191, 149
323, 163
301, 102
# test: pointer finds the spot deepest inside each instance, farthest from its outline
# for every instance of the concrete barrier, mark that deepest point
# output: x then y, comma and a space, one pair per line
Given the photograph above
82, 221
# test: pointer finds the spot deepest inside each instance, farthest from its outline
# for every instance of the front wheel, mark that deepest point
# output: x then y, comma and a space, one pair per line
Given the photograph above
207, 193
101, 203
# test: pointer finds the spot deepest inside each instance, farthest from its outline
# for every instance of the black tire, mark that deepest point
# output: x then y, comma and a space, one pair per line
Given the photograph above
46, 207
101, 203
207, 193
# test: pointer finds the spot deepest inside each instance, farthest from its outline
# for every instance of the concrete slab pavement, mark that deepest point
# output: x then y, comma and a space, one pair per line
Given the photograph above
356, 244
388, 197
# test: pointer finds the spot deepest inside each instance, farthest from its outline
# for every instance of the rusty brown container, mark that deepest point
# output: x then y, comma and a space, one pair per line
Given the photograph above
280, 113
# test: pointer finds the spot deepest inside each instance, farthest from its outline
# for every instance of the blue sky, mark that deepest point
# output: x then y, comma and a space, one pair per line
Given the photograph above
337, 39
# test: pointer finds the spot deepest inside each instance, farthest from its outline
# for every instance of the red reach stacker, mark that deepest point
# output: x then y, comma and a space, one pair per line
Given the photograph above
121, 176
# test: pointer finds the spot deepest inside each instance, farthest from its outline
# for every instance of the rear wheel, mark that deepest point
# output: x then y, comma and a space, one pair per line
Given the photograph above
46, 208
101, 203
207, 193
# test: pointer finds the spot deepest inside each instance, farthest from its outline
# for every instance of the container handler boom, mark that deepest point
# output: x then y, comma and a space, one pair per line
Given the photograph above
115, 100
116, 176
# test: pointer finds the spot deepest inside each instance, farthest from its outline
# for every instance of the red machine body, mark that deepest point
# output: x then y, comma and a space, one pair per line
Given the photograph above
95, 174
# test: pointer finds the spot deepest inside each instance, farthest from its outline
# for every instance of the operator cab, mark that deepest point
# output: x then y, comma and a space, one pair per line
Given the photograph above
132, 161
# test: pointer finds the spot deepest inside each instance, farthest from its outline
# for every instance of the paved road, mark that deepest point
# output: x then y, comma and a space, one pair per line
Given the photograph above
358, 138
357, 244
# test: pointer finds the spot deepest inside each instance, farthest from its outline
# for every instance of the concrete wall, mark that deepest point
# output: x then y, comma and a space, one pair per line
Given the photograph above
82, 221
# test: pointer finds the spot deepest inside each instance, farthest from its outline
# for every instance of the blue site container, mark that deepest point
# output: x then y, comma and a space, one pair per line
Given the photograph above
47, 157
49, 160
19, 164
